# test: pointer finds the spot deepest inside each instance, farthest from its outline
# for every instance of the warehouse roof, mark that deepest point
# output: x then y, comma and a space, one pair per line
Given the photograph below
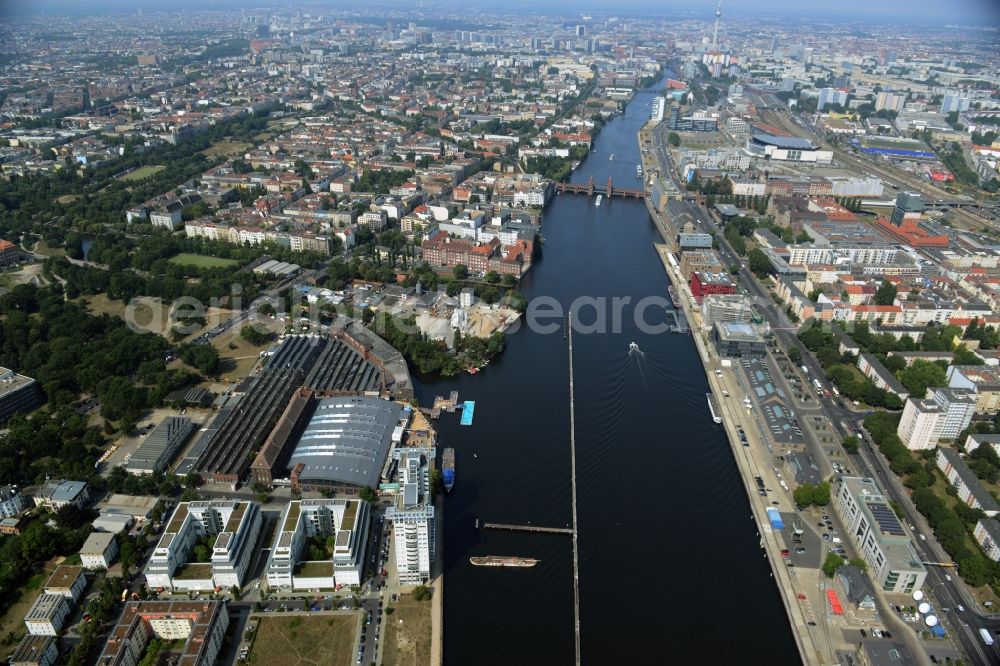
347, 440
789, 142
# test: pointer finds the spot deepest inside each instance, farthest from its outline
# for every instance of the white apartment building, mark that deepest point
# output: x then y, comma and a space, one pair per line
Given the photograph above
11, 501
749, 188
99, 550
810, 254
347, 521
375, 220
918, 426
890, 101
67, 581
231, 526
892, 562
412, 519
199, 625
957, 409
47, 616
35, 651
987, 535
967, 485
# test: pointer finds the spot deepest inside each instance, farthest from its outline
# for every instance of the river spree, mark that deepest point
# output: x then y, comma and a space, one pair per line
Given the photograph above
670, 565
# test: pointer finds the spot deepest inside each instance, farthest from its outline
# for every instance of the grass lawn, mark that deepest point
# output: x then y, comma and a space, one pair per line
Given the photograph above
201, 261
905, 143
142, 172
142, 314
305, 640
407, 633
41, 247
12, 622
67, 198
239, 356
225, 148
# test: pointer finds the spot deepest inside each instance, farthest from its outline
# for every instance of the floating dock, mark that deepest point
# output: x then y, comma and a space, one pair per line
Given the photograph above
468, 410
528, 528
714, 408
446, 404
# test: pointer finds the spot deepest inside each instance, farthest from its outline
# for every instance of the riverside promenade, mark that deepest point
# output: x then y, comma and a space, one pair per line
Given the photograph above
751, 462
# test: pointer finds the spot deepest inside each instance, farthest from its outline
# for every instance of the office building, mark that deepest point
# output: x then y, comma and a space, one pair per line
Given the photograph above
307, 524
909, 206
918, 426
700, 260
18, 394
47, 616
199, 625
695, 123
828, 96
738, 340
892, 562
57, 494
967, 485
11, 501
703, 283
160, 446
987, 535
953, 103
957, 408
99, 550
35, 651
413, 522
205, 545
726, 308
890, 101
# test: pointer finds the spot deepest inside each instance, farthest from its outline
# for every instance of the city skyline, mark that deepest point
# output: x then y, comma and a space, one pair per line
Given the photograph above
962, 12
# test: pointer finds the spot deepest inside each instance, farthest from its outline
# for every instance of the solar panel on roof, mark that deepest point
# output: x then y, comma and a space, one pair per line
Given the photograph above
886, 519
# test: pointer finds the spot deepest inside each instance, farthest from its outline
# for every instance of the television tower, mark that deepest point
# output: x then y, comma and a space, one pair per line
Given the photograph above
715, 34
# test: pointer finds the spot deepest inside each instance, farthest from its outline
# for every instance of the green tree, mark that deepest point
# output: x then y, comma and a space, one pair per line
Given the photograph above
368, 494
920, 375
850, 444
760, 265
674, 139
859, 563
885, 294
794, 355
461, 272
832, 562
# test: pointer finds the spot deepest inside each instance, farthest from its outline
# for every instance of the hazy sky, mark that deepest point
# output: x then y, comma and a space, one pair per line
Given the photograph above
985, 13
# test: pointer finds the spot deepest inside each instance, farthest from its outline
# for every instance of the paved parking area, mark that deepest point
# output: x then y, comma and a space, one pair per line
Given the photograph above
809, 541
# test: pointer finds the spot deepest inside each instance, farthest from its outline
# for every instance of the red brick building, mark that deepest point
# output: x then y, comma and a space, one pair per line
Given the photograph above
442, 251
703, 284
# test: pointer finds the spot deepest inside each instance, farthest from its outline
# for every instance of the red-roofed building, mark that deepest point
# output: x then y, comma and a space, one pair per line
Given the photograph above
8, 253
911, 233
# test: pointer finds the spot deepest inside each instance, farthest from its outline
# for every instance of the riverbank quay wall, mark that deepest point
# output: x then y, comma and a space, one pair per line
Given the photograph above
807, 647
